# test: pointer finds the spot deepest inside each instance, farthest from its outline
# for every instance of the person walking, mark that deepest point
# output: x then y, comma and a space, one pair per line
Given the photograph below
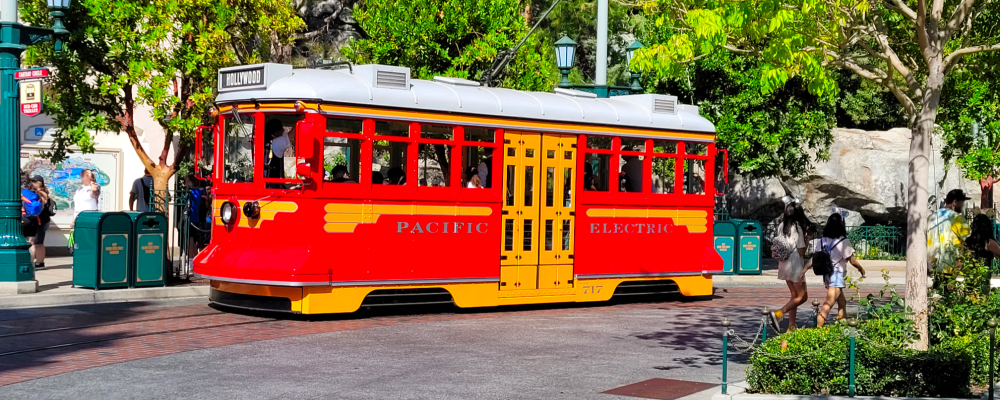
789, 248
946, 229
37, 185
833, 251
85, 197
142, 190
982, 242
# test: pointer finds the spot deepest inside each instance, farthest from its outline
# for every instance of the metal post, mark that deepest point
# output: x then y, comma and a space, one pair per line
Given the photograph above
601, 76
763, 314
17, 274
992, 324
815, 304
725, 353
853, 323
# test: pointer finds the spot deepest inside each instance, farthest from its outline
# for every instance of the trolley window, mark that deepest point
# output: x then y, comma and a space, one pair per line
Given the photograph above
434, 157
477, 158
390, 148
342, 150
238, 149
645, 166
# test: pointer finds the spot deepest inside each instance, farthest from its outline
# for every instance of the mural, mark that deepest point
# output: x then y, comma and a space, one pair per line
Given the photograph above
63, 179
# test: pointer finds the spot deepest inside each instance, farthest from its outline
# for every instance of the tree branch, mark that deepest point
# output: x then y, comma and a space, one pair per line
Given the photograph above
961, 12
957, 54
900, 8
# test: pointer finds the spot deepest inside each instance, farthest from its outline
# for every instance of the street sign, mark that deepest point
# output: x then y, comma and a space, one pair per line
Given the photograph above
31, 97
31, 73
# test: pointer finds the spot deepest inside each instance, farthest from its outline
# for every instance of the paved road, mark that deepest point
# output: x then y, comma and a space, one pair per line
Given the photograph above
187, 350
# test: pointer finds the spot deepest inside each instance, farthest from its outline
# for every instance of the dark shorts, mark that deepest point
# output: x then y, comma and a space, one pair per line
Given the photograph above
29, 226
40, 233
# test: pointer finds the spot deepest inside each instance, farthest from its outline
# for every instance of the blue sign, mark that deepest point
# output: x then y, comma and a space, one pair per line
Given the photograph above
39, 132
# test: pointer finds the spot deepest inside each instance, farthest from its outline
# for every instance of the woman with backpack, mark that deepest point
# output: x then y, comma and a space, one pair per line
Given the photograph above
37, 185
831, 254
788, 247
982, 242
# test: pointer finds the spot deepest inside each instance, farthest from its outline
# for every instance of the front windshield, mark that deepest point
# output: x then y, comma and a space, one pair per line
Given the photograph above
238, 160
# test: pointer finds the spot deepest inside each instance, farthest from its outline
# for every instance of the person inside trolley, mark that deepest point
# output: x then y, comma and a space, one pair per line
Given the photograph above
485, 169
278, 144
340, 174
396, 176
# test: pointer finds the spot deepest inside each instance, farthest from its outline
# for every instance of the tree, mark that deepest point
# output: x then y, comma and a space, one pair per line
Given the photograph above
163, 54
908, 47
456, 38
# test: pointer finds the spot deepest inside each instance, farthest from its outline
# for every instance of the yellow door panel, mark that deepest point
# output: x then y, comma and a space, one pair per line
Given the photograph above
564, 276
548, 277
558, 205
527, 277
530, 183
508, 278
511, 220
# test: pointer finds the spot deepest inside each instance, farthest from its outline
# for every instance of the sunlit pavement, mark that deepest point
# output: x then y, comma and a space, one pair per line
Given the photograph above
186, 349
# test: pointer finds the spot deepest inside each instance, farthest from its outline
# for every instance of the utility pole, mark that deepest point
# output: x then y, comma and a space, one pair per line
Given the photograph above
17, 272
601, 76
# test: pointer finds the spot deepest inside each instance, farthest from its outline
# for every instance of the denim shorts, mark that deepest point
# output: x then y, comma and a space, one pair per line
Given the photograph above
836, 279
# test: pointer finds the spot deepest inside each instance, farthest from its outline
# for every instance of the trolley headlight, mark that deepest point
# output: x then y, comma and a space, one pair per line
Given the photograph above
228, 213
251, 209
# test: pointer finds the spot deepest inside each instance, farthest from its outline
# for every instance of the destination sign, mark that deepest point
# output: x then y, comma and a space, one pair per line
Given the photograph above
252, 77
242, 79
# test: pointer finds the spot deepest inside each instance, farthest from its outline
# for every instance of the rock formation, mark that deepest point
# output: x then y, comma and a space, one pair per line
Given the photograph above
866, 172
330, 25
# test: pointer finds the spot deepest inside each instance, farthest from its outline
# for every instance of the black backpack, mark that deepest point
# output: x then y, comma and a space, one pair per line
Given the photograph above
822, 264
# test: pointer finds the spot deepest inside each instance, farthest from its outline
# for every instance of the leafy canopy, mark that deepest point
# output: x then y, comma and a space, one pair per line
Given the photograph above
457, 38
161, 54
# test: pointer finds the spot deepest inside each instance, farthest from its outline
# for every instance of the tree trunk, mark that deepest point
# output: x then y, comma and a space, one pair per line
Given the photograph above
917, 205
161, 175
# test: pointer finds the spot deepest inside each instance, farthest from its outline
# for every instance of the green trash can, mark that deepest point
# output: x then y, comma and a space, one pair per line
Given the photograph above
101, 250
748, 254
148, 266
724, 233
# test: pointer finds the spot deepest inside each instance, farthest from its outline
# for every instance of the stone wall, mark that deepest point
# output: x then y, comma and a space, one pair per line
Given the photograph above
866, 173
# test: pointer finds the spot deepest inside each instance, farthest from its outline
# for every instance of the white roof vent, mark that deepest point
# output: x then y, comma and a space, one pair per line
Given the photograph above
575, 93
665, 104
455, 81
391, 77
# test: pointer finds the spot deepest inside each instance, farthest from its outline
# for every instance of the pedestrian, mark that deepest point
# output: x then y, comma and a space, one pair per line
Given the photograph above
982, 242
789, 248
142, 190
831, 254
946, 229
37, 185
198, 205
85, 198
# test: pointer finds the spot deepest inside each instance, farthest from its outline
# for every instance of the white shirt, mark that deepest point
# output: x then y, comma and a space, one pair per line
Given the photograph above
840, 254
84, 200
279, 145
471, 185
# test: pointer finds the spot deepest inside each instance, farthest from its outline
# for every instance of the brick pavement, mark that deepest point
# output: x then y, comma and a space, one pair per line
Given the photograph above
155, 331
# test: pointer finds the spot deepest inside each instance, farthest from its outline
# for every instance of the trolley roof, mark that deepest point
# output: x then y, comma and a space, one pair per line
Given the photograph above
388, 86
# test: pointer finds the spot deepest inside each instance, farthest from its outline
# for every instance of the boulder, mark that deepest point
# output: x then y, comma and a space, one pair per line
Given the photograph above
866, 172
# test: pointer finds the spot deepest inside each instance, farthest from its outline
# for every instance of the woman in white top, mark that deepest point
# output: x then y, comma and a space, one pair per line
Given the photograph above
790, 269
835, 242
85, 198
473, 182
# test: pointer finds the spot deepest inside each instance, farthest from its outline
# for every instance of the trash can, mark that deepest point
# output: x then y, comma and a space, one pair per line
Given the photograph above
748, 255
724, 233
148, 266
101, 250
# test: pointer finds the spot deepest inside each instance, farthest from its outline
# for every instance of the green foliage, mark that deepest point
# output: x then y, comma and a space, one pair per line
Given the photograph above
457, 38
973, 97
162, 54
774, 134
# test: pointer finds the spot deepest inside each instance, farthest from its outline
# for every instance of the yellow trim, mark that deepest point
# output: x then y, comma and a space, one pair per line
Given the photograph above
459, 119
328, 299
268, 210
345, 217
696, 221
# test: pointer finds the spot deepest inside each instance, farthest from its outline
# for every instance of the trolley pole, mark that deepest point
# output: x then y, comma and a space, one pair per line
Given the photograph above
853, 323
992, 324
601, 76
725, 354
17, 273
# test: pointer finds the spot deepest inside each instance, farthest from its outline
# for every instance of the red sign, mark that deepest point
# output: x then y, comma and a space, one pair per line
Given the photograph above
31, 73
31, 109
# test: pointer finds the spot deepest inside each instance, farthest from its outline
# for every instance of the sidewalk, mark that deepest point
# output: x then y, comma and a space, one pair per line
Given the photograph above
769, 275
55, 287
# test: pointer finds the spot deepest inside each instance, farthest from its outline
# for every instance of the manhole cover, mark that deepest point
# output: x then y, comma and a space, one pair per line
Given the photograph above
661, 389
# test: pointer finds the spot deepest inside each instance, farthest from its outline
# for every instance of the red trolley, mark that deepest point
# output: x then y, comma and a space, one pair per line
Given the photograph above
340, 188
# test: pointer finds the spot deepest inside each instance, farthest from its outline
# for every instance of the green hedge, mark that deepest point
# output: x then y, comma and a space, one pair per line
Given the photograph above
816, 362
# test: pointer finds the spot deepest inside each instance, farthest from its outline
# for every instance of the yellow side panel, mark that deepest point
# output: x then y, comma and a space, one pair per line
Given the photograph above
508, 277
527, 277
548, 277
327, 299
565, 276
699, 285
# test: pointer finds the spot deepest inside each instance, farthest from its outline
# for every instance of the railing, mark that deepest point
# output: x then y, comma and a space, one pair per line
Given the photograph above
175, 205
870, 242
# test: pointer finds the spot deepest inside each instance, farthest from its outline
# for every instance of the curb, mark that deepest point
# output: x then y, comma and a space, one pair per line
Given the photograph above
102, 296
737, 393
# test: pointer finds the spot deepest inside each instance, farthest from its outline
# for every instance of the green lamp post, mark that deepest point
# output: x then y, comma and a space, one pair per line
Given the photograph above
17, 274
565, 54
636, 87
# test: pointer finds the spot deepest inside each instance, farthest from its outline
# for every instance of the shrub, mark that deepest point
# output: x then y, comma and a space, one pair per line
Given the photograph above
815, 361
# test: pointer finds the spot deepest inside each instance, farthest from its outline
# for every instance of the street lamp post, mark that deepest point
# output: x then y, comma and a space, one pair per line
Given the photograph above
17, 273
565, 57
